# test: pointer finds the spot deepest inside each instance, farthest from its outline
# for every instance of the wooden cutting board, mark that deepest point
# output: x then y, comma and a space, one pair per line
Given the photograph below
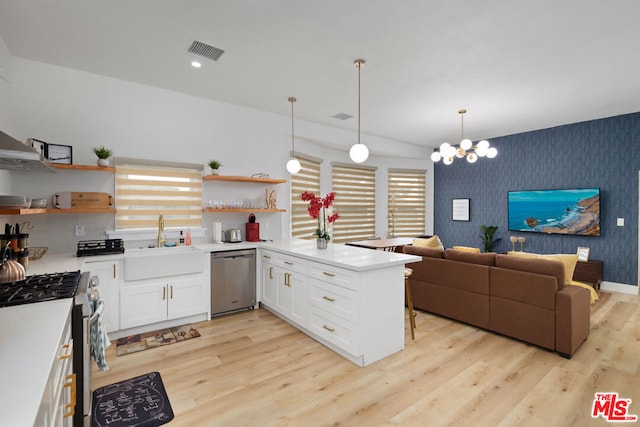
86, 200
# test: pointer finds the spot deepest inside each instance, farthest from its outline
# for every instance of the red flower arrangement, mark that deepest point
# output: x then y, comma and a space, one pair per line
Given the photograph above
318, 207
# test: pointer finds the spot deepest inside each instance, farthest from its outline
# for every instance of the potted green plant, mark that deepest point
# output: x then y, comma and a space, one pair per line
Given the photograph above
214, 165
487, 238
103, 154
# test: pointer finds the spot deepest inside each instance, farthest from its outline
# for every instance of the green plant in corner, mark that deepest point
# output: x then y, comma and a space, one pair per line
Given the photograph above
102, 152
487, 237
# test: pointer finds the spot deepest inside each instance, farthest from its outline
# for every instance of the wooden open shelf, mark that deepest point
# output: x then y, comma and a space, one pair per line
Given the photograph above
54, 210
236, 210
83, 167
243, 179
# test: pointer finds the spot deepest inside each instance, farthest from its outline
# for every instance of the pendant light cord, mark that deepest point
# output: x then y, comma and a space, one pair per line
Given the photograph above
359, 63
293, 150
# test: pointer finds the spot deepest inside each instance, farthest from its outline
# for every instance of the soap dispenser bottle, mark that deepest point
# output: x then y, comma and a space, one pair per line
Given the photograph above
188, 238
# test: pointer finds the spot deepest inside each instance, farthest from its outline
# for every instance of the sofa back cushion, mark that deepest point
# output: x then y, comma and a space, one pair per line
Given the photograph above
569, 262
422, 251
488, 258
543, 266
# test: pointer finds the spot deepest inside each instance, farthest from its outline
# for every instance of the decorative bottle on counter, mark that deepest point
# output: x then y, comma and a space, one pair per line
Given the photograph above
188, 239
181, 241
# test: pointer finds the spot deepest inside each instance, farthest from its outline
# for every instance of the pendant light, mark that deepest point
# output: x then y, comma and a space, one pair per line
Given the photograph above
293, 165
359, 152
447, 152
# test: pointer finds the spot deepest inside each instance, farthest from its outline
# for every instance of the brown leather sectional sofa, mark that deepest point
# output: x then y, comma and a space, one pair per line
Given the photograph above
521, 298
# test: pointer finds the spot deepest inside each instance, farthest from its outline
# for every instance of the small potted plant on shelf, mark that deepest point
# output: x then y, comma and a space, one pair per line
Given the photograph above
103, 154
214, 165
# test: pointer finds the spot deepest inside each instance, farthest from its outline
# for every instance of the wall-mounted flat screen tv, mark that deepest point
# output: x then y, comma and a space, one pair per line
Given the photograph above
574, 211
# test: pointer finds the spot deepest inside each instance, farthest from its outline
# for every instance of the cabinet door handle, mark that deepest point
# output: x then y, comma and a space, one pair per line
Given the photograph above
68, 352
70, 408
328, 298
114, 270
171, 287
328, 328
287, 279
164, 293
270, 272
328, 274
288, 262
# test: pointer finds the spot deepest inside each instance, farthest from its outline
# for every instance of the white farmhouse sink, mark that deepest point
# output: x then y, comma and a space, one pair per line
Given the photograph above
151, 263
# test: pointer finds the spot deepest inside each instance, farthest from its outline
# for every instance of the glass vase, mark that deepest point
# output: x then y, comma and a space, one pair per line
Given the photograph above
321, 243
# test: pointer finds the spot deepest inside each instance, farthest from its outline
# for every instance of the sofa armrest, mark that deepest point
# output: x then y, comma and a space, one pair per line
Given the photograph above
573, 317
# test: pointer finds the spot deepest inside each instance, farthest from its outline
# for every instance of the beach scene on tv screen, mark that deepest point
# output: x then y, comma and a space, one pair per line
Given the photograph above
556, 211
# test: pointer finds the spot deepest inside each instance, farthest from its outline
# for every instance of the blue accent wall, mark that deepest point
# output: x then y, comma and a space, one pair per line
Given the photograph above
601, 153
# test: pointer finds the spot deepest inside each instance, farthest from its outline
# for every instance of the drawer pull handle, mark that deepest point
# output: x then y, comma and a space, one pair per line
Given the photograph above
288, 262
67, 354
71, 406
266, 256
328, 328
328, 274
328, 298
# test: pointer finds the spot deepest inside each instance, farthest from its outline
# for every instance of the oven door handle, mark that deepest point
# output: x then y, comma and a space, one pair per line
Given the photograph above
97, 312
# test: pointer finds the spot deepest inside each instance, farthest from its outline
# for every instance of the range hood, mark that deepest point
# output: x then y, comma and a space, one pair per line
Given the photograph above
16, 156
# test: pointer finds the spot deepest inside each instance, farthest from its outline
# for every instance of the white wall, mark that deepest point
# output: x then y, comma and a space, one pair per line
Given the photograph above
5, 106
71, 107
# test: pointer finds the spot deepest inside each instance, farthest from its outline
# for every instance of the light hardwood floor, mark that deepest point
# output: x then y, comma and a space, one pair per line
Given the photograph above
253, 369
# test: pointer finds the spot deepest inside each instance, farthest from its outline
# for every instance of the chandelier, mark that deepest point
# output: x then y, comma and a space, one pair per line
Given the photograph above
448, 152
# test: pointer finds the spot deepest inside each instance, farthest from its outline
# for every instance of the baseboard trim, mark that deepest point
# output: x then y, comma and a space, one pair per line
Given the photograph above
619, 287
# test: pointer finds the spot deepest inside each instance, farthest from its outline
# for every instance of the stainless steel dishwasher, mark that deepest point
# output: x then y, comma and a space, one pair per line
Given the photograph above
233, 280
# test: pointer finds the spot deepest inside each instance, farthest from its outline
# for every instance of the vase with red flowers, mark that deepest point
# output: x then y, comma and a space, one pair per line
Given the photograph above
318, 207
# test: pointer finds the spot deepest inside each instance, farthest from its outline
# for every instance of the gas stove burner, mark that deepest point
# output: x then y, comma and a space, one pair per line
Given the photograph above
39, 288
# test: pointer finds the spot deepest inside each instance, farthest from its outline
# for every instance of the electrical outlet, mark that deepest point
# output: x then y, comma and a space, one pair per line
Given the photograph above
79, 230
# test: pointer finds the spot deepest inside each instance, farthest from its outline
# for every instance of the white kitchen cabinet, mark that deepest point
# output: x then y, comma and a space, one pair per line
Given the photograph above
109, 275
357, 312
150, 301
284, 286
58, 401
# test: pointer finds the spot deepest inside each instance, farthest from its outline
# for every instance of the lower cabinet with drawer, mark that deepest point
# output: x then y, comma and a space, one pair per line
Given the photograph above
358, 314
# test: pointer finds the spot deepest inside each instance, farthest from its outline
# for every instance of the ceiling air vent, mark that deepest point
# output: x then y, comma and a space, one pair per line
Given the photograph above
204, 50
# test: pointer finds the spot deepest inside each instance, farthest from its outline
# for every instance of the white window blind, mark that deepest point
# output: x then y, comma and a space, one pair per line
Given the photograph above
355, 202
406, 208
308, 179
143, 192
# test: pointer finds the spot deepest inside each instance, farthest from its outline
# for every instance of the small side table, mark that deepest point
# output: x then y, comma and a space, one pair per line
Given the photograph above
589, 272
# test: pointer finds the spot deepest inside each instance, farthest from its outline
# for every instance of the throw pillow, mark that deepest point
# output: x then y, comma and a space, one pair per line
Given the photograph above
467, 249
431, 242
569, 261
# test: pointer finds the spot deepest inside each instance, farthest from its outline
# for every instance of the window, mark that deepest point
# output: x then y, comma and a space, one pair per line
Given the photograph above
355, 202
144, 190
406, 217
308, 179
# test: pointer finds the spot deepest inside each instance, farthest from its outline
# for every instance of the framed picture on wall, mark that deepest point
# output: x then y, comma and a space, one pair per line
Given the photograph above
460, 209
583, 254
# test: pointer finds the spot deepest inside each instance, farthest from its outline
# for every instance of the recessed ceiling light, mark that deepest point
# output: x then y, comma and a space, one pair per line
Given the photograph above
196, 64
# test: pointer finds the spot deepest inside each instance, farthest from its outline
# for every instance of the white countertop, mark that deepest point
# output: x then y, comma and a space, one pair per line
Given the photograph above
336, 254
29, 339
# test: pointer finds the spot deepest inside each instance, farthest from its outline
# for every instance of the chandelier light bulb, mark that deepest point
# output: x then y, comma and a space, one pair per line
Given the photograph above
492, 152
471, 157
444, 148
436, 156
447, 160
484, 144
466, 144
293, 166
359, 153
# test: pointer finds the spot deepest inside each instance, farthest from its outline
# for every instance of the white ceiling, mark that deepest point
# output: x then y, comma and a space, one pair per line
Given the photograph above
514, 65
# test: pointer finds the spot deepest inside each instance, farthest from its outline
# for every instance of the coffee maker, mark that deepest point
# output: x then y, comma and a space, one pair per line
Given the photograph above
252, 230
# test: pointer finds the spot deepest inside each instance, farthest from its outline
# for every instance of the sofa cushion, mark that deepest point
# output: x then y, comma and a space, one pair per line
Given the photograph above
488, 258
569, 261
422, 251
431, 242
533, 265
467, 249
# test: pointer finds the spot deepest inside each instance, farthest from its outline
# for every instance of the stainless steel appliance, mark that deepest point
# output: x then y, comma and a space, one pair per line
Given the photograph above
47, 287
233, 281
234, 236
